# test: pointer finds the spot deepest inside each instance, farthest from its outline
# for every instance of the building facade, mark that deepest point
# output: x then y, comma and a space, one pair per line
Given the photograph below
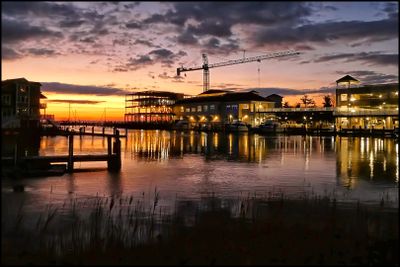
366, 107
217, 107
20, 103
150, 106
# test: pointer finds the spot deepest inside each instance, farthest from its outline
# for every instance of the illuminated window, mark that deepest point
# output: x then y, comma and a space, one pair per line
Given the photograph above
212, 107
198, 108
343, 97
182, 109
193, 109
245, 106
187, 109
205, 108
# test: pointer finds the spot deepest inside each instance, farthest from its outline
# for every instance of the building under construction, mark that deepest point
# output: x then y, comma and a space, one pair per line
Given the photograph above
150, 106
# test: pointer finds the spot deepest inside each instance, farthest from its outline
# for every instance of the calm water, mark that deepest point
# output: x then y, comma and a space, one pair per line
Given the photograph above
192, 165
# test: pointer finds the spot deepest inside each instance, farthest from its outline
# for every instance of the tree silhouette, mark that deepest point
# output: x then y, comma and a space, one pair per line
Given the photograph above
297, 105
307, 101
327, 101
286, 105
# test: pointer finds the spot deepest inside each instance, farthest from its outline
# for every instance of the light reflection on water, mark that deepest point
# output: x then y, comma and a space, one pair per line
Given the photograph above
195, 164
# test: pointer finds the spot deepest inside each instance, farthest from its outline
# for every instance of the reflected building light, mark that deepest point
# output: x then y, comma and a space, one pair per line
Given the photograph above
371, 165
384, 164
362, 146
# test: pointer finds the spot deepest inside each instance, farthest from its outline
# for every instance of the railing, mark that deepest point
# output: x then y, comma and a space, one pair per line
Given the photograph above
378, 112
296, 109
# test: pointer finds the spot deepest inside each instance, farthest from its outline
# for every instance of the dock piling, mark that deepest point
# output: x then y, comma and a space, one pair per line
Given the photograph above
70, 153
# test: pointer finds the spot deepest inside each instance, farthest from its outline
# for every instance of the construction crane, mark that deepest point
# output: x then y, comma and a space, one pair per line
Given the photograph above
206, 67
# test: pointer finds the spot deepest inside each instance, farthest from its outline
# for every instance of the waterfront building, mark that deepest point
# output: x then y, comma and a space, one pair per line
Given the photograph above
214, 108
150, 106
366, 107
20, 103
277, 99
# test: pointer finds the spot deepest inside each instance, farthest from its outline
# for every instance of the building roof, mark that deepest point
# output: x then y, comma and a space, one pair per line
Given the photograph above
18, 80
228, 97
347, 78
156, 93
274, 95
214, 91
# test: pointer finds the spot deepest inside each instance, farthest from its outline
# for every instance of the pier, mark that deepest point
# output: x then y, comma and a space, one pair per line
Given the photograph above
43, 163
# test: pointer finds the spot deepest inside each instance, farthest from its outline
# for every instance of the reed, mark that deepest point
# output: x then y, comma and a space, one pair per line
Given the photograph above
268, 228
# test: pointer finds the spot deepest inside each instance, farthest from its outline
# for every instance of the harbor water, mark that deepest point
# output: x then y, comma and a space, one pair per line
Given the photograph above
196, 164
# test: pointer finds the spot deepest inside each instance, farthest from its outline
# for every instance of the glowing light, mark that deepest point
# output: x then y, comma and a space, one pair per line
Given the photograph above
380, 96
380, 107
352, 99
353, 110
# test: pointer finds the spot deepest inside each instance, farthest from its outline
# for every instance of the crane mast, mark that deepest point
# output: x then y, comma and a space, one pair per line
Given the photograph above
206, 67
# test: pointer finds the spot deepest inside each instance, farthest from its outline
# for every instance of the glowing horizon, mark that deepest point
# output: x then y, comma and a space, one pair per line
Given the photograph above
81, 52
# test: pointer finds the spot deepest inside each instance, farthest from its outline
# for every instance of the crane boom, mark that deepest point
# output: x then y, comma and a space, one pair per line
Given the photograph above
205, 67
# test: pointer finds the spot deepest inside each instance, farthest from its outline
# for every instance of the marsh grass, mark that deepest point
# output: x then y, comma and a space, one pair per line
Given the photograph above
249, 229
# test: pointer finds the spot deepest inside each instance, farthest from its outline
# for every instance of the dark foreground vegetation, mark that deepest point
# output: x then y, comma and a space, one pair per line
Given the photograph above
213, 231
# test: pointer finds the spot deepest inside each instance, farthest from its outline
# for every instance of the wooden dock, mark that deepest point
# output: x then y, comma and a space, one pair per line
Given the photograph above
82, 131
113, 156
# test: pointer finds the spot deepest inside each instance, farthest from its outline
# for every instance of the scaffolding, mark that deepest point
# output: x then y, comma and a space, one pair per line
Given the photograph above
150, 106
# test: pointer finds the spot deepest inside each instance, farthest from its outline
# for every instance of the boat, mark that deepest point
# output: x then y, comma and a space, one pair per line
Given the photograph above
236, 126
270, 126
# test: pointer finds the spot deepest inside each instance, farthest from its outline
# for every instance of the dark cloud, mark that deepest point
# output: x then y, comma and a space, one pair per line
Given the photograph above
187, 38
68, 23
16, 31
9, 53
371, 77
41, 52
65, 88
213, 46
324, 33
227, 15
372, 58
90, 102
145, 43
174, 78
392, 10
38, 9
165, 57
134, 25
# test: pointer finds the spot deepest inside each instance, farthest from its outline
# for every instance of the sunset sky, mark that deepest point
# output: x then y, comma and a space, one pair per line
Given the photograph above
88, 55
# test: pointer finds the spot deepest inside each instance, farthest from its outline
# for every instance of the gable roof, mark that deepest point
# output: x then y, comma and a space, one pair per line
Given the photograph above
229, 97
274, 96
347, 78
